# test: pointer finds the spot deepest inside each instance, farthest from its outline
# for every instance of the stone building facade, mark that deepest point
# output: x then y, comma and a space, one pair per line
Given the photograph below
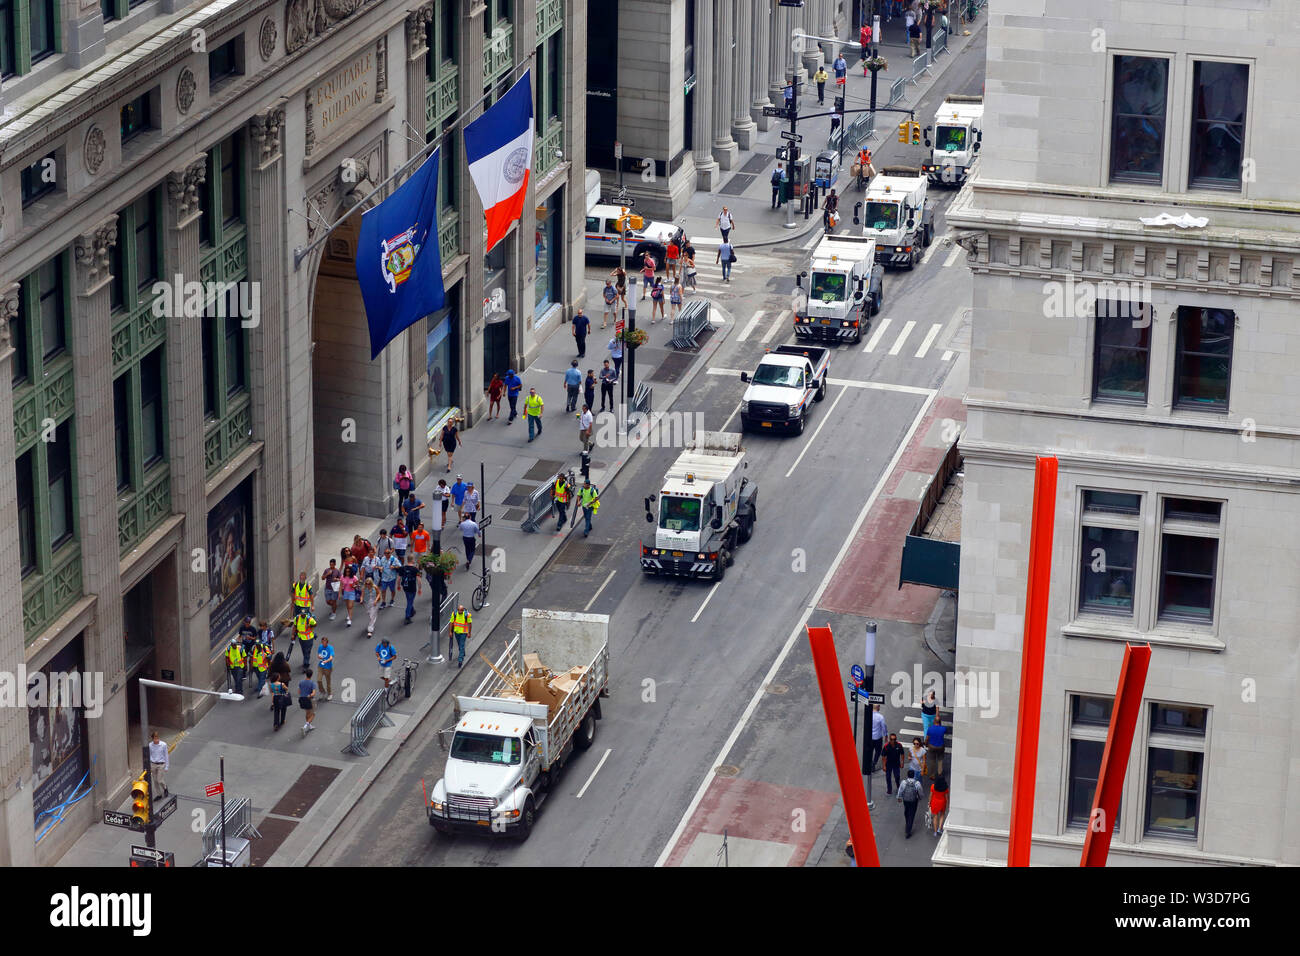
1156, 362
184, 353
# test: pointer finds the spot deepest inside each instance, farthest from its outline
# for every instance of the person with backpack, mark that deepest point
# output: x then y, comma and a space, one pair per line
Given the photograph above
610, 295
690, 270
675, 297
778, 186
656, 301
402, 483
909, 795
726, 256
279, 695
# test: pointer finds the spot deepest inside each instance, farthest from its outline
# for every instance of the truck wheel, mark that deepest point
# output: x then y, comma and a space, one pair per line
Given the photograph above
526, 820
720, 567
586, 735
821, 392
729, 557
798, 428
927, 234
746, 529
877, 300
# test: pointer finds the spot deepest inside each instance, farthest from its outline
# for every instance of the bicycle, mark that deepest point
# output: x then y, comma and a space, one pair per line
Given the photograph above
479, 600
405, 680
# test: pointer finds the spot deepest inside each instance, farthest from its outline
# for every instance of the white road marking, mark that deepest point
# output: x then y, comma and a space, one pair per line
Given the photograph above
780, 322
946, 357
750, 326
825, 417
929, 253
877, 336
812, 240
841, 382
902, 337
761, 690
706, 242
929, 338
593, 774
952, 256
712, 591
599, 589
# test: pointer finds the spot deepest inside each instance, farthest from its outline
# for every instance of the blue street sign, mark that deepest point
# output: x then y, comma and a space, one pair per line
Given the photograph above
858, 674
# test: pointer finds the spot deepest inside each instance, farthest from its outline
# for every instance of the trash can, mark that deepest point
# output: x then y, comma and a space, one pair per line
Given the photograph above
238, 853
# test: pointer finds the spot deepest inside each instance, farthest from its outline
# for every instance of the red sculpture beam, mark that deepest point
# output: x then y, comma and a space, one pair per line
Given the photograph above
846, 759
1114, 759
1031, 663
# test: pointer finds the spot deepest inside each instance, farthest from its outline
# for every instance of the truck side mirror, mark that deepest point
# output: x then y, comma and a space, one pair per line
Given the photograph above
857, 214
744, 376
976, 147
911, 223
649, 517
926, 134
716, 523
857, 296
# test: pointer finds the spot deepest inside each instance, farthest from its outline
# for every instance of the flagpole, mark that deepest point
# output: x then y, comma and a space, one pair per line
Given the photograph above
302, 252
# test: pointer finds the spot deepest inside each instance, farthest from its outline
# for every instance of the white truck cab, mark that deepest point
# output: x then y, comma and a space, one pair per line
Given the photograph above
897, 214
956, 139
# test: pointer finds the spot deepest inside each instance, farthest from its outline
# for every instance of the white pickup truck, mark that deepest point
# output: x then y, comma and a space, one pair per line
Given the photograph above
519, 728
782, 389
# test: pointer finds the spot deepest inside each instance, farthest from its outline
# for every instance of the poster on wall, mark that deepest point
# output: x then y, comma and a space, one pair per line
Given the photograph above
230, 563
57, 731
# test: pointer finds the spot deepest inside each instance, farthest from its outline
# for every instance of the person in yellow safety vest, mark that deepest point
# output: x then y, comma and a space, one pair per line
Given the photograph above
533, 412
303, 594
864, 162
261, 659
560, 495
235, 660
462, 622
589, 495
304, 629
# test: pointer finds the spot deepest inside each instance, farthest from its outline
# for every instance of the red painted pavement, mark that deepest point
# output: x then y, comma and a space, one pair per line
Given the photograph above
866, 583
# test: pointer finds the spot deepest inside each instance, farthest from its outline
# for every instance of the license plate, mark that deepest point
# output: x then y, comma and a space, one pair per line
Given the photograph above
826, 321
677, 554
766, 424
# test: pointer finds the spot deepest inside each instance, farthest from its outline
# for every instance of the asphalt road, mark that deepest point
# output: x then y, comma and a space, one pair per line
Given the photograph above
686, 657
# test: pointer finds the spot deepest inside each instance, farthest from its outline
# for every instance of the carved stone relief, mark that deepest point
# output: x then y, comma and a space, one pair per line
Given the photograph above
91, 252
95, 146
185, 88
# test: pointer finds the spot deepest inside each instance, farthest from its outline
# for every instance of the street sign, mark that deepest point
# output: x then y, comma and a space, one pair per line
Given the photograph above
875, 698
214, 789
115, 818
627, 201
792, 137
487, 520
147, 853
858, 674
778, 111
618, 150
162, 813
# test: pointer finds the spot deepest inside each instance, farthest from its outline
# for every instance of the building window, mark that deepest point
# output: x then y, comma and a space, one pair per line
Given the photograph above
1109, 553
147, 229
1218, 124
8, 46
1203, 365
43, 24
1137, 122
225, 355
122, 430
225, 61
52, 289
1189, 559
235, 345
39, 179
136, 118
223, 190
209, 371
547, 254
1089, 724
26, 513
153, 446
448, 173
231, 187
136, 258
1123, 352
59, 454
554, 76
442, 359
109, 9
447, 31
1175, 758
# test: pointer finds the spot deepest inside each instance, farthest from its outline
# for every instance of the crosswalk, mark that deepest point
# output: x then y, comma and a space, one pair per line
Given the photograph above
885, 327
912, 726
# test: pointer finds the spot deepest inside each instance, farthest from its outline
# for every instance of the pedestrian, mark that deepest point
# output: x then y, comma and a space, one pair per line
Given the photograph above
159, 762
864, 40
385, 653
778, 186
929, 707
893, 755
469, 536
496, 388
458, 494
589, 497
403, 482
820, 78
831, 206
690, 271
656, 300
620, 284
533, 412
610, 297
370, 566
589, 388
909, 795
388, 566
916, 757
934, 739
572, 384
675, 298
235, 665
585, 420
279, 698
672, 257
348, 582
462, 624
914, 37
361, 548
879, 733
581, 326
725, 223
266, 636
247, 638
420, 541
258, 660
648, 268
383, 542
938, 803
401, 540
325, 667
472, 501
726, 258
607, 379
330, 577
442, 493
841, 68
304, 630
616, 354
411, 512
560, 499
307, 700
371, 600
449, 439
514, 384
411, 586
304, 594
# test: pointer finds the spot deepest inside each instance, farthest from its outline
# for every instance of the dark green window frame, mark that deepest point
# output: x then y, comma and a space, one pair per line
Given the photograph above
30, 31
136, 117
225, 61
136, 259
225, 167
140, 420
35, 182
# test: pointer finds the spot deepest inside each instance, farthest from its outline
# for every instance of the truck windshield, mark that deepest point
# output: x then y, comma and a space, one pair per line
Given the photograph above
950, 138
881, 215
828, 287
788, 376
679, 514
485, 748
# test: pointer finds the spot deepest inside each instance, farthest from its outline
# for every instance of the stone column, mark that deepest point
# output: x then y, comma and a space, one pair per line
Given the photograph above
778, 54
472, 230
185, 429
724, 147
827, 28
17, 845
807, 20
743, 127
417, 76
706, 168
760, 36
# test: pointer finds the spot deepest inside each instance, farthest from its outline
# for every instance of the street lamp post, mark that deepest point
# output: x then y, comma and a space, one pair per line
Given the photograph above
869, 662
629, 353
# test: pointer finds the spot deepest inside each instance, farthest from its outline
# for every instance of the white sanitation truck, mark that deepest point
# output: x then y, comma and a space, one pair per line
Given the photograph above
898, 216
706, 508
845, 288
541, 700
956, 139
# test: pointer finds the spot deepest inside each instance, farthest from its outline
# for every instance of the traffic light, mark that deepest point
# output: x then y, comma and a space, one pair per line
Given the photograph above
916, 134
140, 800
902, 132
632, 223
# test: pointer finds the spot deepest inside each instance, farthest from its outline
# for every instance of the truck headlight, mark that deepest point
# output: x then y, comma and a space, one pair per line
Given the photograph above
794, 410
744, 408
437, 806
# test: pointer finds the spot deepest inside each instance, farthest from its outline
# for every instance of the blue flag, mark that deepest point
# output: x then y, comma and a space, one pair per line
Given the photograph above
399, 265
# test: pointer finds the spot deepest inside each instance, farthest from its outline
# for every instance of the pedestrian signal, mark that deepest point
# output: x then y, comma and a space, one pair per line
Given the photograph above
839, 104
140, 801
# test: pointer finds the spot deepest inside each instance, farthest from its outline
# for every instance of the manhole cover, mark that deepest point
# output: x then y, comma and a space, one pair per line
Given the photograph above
516, 625
673, 367
756, 163
726, 770
514, 514
541, 471
778, 688
582, 554
737, 184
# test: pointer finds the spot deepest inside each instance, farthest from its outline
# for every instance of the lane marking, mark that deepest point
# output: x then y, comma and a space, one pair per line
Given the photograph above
812, 241
877, 336
593, 774
952, 256
781, 321
729, 418
713, 590
749, 326
599, 589
813, 437
929, 338
902, 337
761, 690
847, 382
929, 253
946, 357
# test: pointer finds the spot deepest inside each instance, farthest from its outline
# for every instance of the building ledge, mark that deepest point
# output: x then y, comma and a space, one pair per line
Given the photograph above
1153, 851
1167, 636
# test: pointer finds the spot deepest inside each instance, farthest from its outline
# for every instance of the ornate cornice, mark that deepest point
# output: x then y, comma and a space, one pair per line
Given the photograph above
265, 130
417, 32
91, 253
8, 312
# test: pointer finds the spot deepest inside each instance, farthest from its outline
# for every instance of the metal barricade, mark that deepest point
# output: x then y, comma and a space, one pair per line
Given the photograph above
689, 323
920, 65
896, 91
239, 822
444, 622
372, 713
941, 44
539, 506
639, 410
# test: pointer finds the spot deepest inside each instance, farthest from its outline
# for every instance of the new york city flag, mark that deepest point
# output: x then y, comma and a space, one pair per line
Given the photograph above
499, 152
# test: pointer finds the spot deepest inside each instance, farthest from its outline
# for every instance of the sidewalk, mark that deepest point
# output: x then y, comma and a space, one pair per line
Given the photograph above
301, 788
746, 189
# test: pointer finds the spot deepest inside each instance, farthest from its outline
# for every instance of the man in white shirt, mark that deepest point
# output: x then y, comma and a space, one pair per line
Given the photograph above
725, 223
158, 764
585, 419
469, 537
878, 734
